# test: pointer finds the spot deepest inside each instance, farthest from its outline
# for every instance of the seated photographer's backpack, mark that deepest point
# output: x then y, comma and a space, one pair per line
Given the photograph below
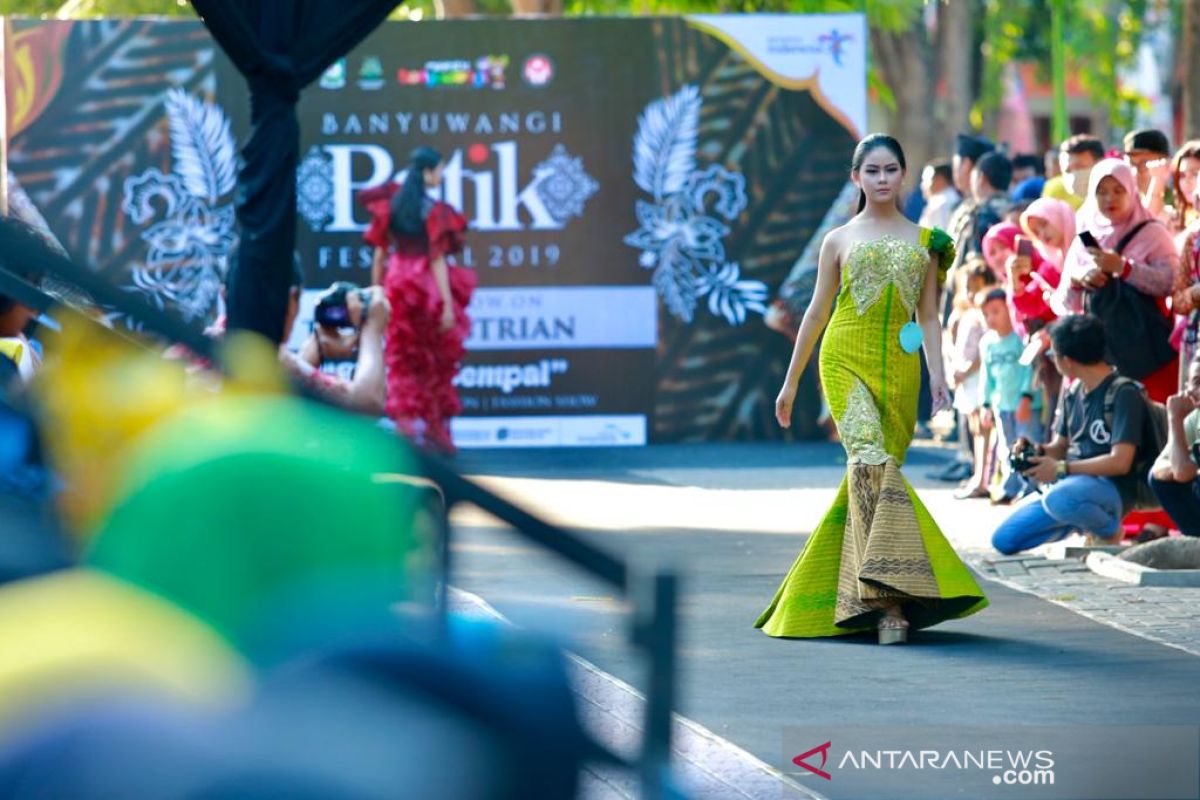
1154, 439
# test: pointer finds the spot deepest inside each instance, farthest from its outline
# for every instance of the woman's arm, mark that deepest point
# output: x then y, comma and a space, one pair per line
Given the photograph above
929, 317
441, 276
377, 266
366, 391
1031, 302
1156, 189
816, 316
1155, 277
1186, 286
1177, 453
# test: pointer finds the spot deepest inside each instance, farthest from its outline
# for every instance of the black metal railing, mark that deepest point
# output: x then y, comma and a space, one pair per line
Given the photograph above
653, 596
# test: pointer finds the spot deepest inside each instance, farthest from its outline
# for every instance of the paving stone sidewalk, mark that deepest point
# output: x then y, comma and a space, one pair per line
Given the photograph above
1169, 615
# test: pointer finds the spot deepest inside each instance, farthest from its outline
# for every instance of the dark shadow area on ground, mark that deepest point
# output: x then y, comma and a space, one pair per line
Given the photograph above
759, 465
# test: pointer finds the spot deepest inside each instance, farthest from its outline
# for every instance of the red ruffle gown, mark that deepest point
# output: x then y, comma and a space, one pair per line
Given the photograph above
421, 360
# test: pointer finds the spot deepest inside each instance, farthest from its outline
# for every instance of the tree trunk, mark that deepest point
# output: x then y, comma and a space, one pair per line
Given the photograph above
537, 7
451, 9
954, 63
1190, 75
905, 64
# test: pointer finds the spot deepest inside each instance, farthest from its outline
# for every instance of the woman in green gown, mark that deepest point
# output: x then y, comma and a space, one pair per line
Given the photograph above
877, 560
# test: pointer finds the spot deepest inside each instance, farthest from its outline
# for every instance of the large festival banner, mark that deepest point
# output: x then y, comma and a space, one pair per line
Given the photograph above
638, 191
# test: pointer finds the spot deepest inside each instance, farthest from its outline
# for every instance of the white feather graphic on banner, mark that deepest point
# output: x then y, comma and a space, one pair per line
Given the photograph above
681, 234
202, 146
187, 214
664, 150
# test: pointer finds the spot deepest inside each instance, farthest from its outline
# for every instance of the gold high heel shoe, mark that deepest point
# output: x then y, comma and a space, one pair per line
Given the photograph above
893, 630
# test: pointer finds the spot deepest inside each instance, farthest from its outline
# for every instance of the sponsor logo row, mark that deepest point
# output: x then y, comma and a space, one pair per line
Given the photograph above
484, 72
627, 430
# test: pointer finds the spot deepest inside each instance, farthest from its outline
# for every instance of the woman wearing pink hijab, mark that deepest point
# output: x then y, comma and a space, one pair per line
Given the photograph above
1025, 277
1148, 262
1051, 224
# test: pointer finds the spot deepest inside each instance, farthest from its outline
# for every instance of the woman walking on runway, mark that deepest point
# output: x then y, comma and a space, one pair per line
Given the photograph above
414, 236
877, 560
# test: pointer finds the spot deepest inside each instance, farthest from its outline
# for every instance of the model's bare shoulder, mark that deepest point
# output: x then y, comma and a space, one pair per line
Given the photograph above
912, 232
835, 242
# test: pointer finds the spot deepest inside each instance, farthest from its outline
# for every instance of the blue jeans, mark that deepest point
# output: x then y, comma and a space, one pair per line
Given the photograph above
1010, 430
1181, 501
1077, 502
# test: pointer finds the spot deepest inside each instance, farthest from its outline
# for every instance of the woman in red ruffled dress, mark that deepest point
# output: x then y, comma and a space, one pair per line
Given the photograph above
414, 237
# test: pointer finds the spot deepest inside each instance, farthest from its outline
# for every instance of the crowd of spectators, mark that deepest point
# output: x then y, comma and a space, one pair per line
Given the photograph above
1072, 315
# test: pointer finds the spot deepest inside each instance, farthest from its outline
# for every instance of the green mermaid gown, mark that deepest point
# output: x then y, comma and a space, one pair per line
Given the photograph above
877, 541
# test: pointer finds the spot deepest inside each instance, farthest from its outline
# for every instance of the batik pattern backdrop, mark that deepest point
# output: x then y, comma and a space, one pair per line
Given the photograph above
718, 381
117, 141
638, 191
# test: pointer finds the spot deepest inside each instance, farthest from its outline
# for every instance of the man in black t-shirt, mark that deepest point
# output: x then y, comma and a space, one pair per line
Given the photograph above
1087, 468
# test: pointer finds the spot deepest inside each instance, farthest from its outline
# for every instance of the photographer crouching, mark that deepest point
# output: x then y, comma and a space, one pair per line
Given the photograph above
349, 326
1094, 469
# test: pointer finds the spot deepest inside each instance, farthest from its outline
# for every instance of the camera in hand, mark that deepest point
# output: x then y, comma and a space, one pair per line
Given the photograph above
1020, 457
332, 310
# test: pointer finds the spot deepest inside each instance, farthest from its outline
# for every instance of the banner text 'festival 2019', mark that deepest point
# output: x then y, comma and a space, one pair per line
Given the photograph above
635, 188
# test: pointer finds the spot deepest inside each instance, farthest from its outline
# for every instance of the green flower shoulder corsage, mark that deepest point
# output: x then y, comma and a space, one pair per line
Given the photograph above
939, 242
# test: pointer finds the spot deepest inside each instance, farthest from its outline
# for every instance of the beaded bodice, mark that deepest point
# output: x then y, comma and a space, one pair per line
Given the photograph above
872, 264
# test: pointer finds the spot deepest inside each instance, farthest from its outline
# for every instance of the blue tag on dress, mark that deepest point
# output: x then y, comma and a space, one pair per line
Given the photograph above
911, 337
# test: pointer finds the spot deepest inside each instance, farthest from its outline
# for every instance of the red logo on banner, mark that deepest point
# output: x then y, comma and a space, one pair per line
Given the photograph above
478, 153
824, 751
539, 70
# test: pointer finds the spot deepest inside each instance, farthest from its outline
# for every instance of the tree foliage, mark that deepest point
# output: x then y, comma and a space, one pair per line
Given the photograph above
1102, 35
1102, 38
97, 8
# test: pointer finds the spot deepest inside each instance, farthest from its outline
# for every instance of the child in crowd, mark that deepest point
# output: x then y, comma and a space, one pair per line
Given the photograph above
966, 329
1007, 394
1024, 274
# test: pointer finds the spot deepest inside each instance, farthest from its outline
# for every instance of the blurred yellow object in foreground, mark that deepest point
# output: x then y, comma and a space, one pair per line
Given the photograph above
12, 349
100, 392
77, 636
97, 393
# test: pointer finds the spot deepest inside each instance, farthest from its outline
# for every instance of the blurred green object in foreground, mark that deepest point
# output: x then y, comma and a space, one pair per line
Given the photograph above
252, 511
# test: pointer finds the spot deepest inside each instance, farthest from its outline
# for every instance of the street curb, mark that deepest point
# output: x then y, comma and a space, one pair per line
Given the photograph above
1064, 552
1110, 566
708, 766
